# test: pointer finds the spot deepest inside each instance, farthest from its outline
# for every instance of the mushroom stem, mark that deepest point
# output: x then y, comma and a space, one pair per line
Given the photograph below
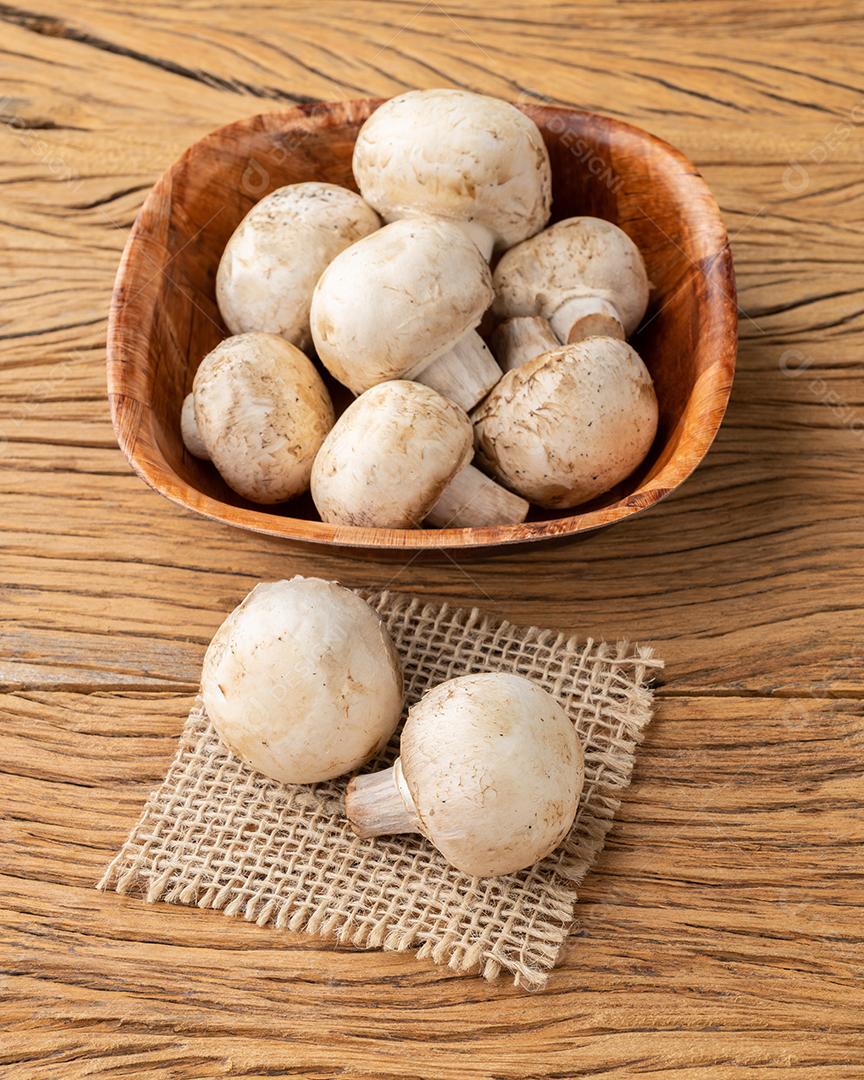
464, 374
189, 430
473, 500
520, 339
379, 804
586, 316
482, 237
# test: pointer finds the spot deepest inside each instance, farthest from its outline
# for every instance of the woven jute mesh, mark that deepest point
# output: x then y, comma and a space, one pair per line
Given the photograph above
218, 835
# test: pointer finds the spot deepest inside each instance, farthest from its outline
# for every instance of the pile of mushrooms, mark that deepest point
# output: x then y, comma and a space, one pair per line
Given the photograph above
390, 292
302, 682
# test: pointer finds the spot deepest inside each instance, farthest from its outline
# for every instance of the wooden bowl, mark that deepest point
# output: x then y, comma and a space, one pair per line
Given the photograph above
164, 317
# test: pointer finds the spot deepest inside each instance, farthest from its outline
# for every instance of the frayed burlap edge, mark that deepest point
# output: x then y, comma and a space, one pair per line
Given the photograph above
218, 835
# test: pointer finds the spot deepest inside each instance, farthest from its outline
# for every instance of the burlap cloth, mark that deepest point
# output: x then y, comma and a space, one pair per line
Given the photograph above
218, 835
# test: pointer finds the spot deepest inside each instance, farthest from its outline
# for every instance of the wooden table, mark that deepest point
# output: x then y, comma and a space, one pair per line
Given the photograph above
721, 933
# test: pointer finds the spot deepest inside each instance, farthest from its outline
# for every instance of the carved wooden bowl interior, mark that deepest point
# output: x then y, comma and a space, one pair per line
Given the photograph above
164, 317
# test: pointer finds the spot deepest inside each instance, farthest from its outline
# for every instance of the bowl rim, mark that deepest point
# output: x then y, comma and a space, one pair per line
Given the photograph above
129, 411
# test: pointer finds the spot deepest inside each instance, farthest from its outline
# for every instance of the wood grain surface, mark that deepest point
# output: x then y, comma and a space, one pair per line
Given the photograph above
721, 933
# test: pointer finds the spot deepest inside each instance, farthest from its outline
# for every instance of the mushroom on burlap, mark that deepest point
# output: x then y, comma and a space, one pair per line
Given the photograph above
490, 771
302, 681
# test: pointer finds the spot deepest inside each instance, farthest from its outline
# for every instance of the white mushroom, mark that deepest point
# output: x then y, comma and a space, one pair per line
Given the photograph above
302, 681
490, 771
262, 412
585, 275
475, 160
402, 304
189, 430
278, 251
400, 453
568, 424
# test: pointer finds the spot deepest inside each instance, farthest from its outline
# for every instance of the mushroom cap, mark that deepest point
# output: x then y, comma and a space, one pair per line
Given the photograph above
279, 250
577, 257
389, 456
262, 411
458, 155
398, 299
302, 681
569, 424
189, 430
495, 770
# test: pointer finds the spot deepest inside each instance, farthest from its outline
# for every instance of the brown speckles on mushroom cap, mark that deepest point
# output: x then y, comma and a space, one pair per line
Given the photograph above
389, 457
569, 424
262, 411
457, 155
278, 251
576, 258
495, 770
396, 300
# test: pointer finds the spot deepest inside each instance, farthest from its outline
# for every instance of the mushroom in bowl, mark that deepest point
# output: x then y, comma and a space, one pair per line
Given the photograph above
261, 413
474, 160
403, 304
276, 254
569, 424
585, 275
158, 332
400, 454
